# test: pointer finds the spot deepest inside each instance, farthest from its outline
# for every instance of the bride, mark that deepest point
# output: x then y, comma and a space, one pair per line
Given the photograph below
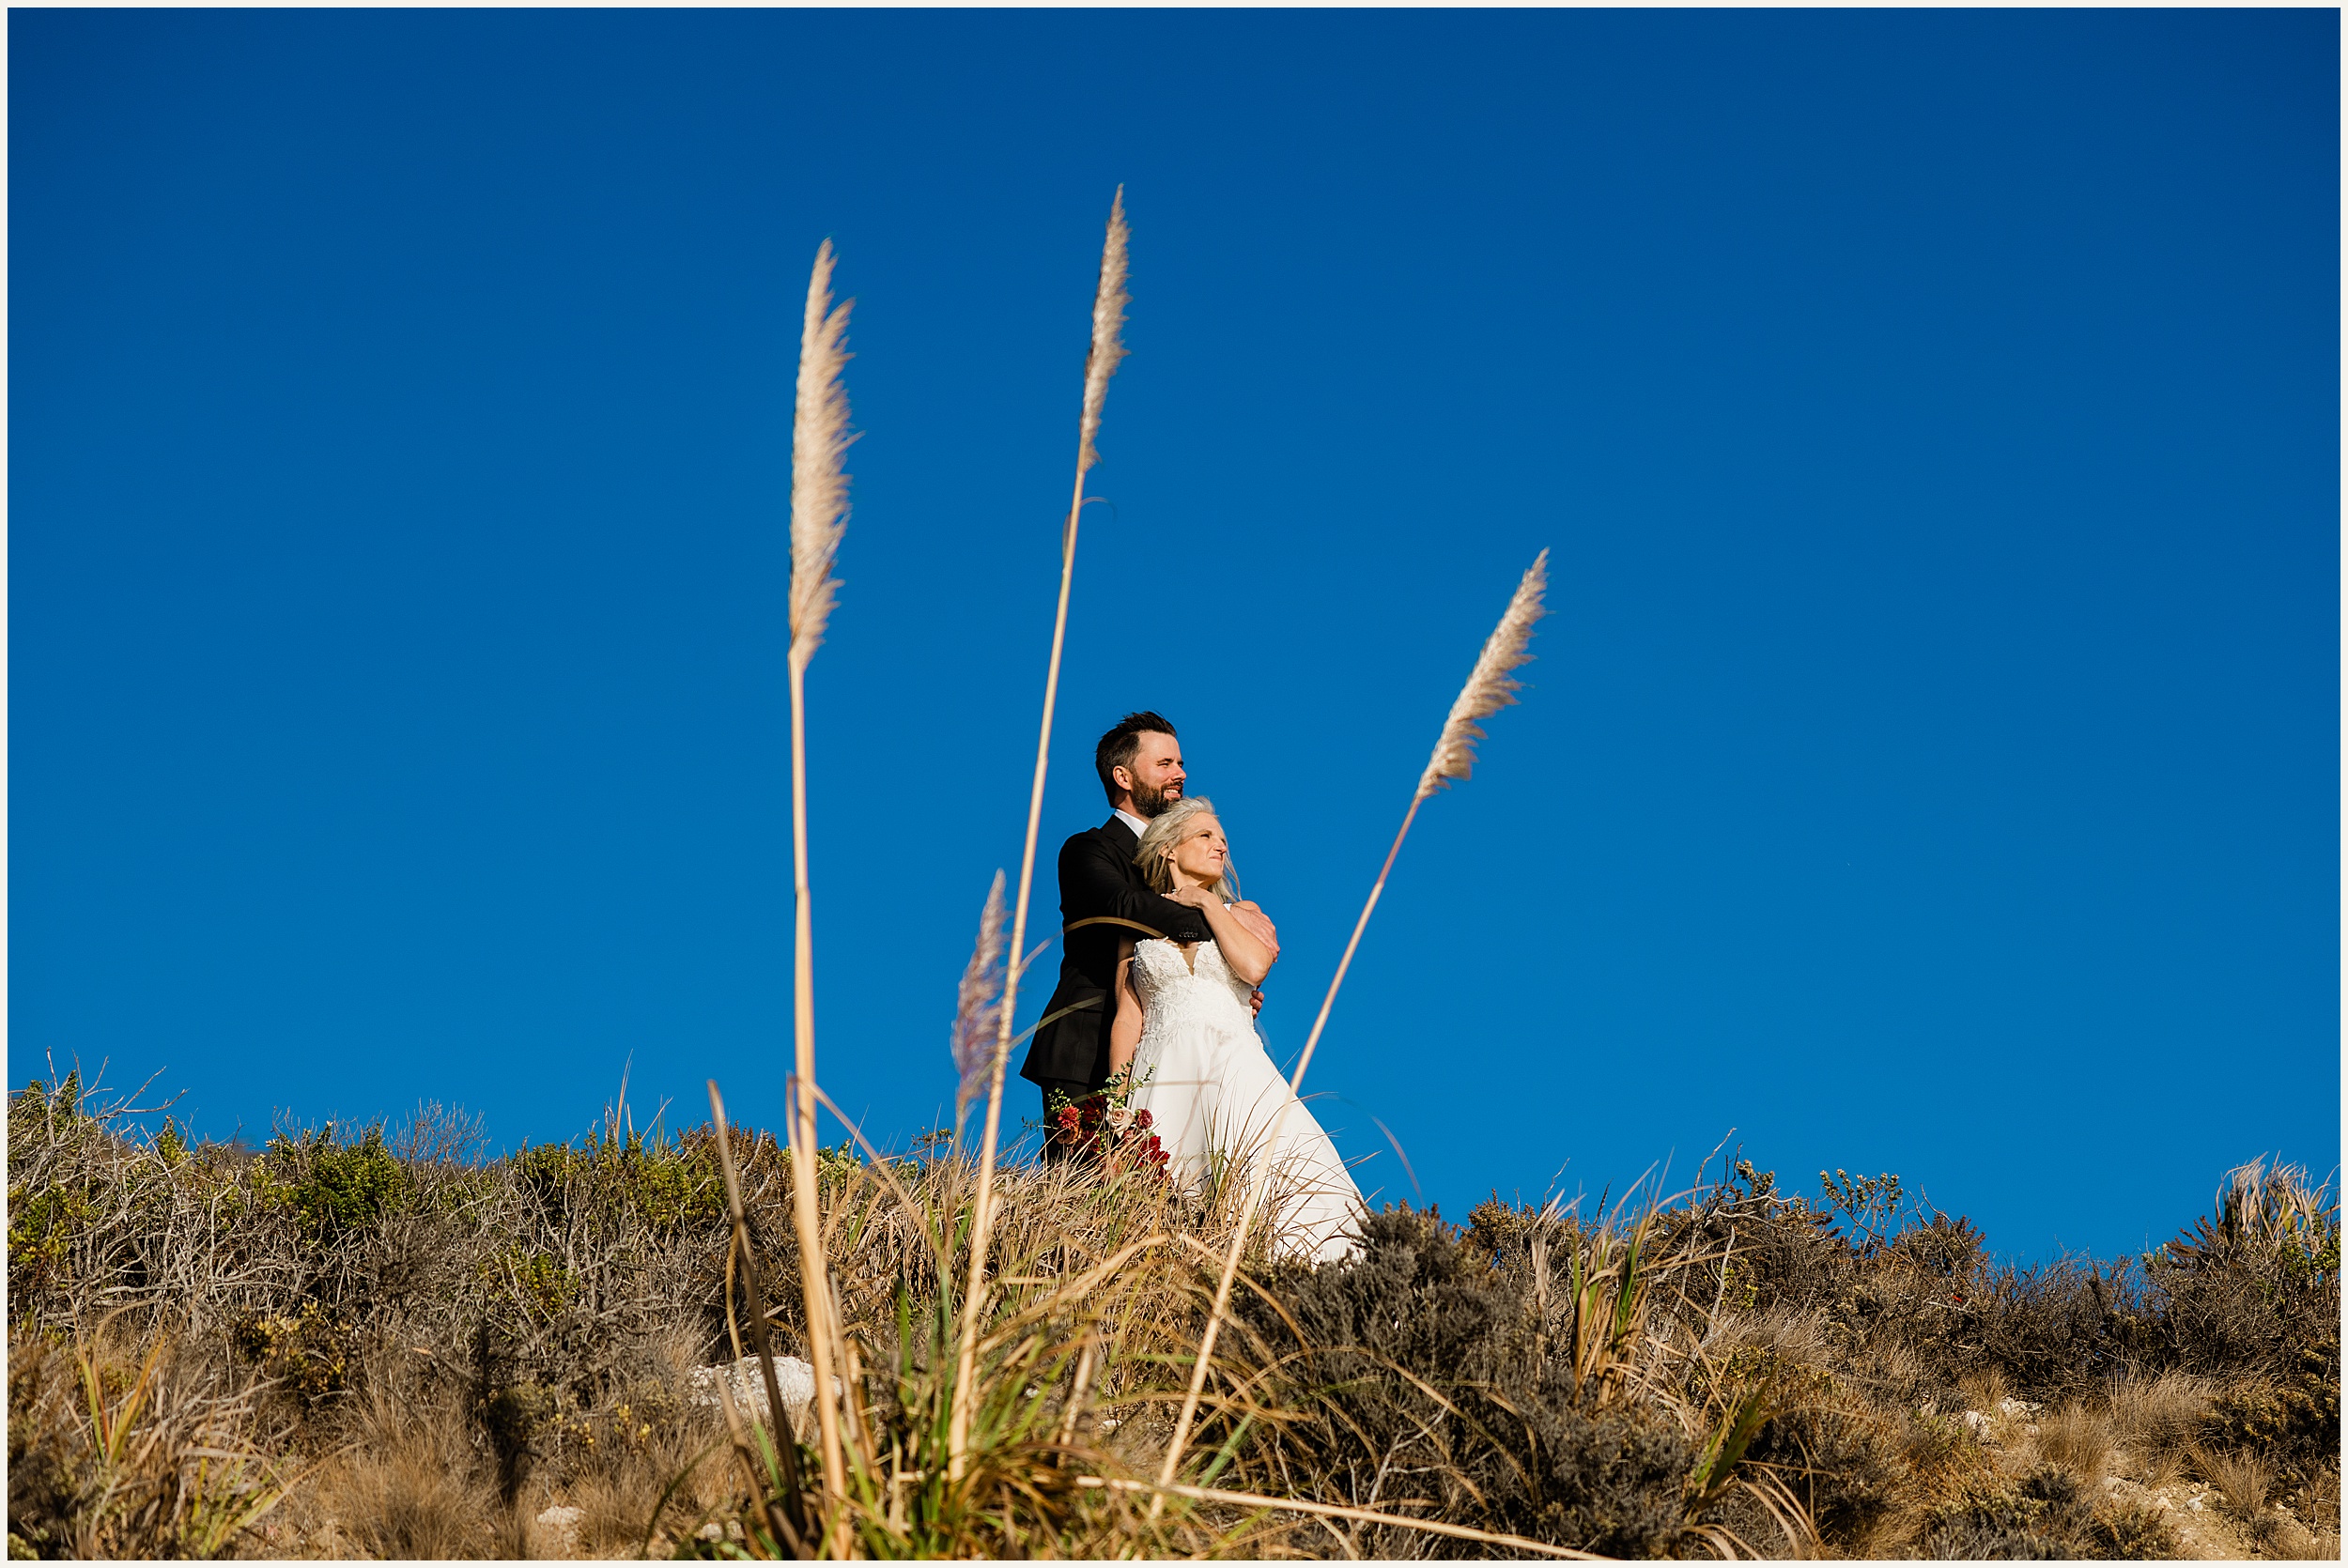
1185, 1031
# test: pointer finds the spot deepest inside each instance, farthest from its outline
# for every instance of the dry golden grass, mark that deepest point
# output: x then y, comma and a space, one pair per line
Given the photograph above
1982, 1389
2078, 1441
2153, 1421
2319, 1503
411, 1493
2244, 1479
2293, 1541
2159, 1413
1100, 1289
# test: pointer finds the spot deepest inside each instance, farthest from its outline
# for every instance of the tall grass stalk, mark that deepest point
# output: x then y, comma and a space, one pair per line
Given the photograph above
819, 505
783, 1503
1336, 1511
1108, 315
1490, 689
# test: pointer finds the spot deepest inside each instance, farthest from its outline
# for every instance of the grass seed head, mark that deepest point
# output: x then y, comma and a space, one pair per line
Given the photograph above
1109, 301
1490, 687
819, 446
978, 1007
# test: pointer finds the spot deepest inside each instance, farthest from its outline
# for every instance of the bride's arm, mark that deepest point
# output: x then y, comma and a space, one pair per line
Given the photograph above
1125, 1028
1260, 924
1249, 954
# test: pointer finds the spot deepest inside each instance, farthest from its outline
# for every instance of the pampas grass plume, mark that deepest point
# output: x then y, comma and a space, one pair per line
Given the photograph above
1108, 349
1108, 313
819, 445
979, 1001
1490, 687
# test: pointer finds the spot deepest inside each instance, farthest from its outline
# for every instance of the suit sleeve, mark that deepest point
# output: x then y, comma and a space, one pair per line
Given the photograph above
1093, 883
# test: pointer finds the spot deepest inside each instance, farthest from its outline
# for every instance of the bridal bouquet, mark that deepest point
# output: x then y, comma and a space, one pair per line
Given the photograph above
1104, 1127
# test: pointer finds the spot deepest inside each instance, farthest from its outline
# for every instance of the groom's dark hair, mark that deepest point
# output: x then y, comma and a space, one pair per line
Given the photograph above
1117, 748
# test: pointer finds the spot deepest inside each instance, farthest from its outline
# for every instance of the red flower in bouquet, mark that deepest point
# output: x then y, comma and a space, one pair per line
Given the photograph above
1103, 1128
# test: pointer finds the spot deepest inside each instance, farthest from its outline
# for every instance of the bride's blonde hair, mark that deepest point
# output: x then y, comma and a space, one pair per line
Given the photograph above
1165, 831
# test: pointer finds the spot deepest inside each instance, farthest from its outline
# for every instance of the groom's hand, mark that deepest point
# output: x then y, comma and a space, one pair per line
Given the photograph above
1195, 897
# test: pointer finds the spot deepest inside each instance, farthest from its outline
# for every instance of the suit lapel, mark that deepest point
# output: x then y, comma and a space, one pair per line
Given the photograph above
1121, 838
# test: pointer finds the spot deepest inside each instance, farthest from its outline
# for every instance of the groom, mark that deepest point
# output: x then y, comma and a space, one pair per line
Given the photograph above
1141, 764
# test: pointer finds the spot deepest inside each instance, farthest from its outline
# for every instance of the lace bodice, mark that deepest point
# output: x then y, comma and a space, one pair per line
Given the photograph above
1217, 1102
1203, 990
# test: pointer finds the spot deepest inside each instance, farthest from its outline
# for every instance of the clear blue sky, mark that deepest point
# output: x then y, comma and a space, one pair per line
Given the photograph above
1931, 765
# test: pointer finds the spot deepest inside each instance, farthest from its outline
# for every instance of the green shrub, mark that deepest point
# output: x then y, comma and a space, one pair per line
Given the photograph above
335, 1187
308, 1350
41, 1225
667, 1183
2293, 1420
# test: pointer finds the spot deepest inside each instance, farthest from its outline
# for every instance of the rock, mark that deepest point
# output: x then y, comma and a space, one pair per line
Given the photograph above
793, 1379
2015, 1408
1977, 1423
562, 1524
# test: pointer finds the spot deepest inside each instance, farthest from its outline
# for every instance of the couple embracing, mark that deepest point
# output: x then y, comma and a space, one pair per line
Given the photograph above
1161, 961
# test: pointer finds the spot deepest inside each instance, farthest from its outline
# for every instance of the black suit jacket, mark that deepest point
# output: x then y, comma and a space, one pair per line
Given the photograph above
1098, 877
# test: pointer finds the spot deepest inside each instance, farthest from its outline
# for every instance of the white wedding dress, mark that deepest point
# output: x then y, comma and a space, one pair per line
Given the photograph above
1214, 1096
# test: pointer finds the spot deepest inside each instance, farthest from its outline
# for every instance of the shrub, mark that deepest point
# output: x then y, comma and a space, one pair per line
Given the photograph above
1838, 1462
455, 1341
2294, 1420
1426, 1374
2043, 1516
335, 1188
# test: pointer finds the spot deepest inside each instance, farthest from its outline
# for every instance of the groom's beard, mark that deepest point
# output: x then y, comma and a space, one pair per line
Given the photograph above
1150, 803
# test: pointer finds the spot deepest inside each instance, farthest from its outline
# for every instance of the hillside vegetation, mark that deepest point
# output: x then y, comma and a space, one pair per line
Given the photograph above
378, 1343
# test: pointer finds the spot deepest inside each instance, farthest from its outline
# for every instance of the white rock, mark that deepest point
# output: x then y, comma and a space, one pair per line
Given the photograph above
1977, 1423
2011, 1408
793, 1379
563, 1523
